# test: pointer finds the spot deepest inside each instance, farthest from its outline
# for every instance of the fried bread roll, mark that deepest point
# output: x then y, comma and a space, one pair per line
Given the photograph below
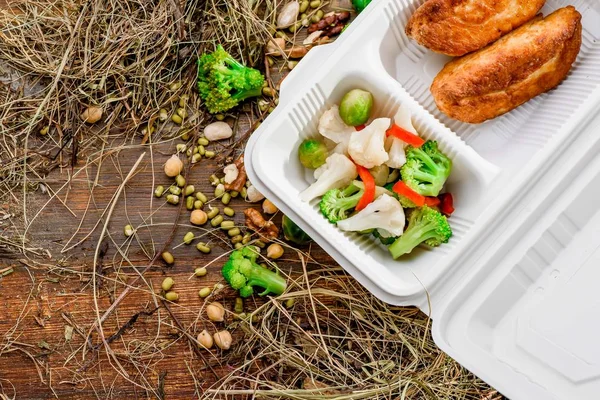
523, 64
458, 27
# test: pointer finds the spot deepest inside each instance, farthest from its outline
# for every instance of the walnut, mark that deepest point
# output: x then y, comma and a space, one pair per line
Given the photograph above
240, 181
256, 222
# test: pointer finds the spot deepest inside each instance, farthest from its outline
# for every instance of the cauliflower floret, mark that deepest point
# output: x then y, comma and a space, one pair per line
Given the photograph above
384, 213
366, 147
333, 128
395, 146
338, 171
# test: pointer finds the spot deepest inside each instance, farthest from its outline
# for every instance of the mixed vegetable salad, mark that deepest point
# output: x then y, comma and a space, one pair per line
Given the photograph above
379, 177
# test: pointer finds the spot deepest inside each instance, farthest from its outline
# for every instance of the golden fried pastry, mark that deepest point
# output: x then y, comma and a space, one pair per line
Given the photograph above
458, 27
523, 64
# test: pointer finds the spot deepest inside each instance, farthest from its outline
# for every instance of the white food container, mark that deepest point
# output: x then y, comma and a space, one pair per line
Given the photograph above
512, 295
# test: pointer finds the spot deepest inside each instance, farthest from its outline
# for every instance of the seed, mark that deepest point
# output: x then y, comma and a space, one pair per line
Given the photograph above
226, 198
182, 112
271, 109
238, 246
172, 199
222, 180
203, 248
173, 166
246, 239
181, 147
200, 271
172, 296
185, 135
274, 251
174, 86
233, 232
238, 307
236, 239
292, 64
189, 203
200, 196
229, 211
188, 237
189, 152
128, 230
267, 91
198, 204
294, 27
268, 207
216, 221
204, 292
183, 100
44, 130
202, 141
215, 312
201, 150
213, 180
315, 4
243, 193
177, 119
175, 190
209, 154
198, 217
304, 6
213, 212
289, 303
223, 340
276, 101
219, 190
263, 105
180, 180
167, 284
196, 157
189, 190
227, 225
219, 117
195, 150
240, 316
91, 115
270, 61
260, 244
163, 115
168, 257
205, 340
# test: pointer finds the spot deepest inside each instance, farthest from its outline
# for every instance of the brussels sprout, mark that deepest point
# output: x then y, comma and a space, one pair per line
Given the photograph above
312, 153
293, 233
355, 107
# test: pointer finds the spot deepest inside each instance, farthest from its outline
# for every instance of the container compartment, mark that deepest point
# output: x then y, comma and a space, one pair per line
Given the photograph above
274, 159
508, 141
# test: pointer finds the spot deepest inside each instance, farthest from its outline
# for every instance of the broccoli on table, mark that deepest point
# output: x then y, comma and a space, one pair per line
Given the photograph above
243, 273
425, 225
426, 169
223, 81
336, 203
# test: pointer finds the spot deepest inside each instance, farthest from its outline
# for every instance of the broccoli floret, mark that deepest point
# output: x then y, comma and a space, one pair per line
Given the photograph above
384, 240
243, 273
223, 81
336, 203
405, 202
426, 169
425, 225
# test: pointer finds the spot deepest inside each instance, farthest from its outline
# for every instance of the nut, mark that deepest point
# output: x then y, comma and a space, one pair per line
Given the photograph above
217, 131
198, 217
173, 166
268, 207
274, 251
275, 46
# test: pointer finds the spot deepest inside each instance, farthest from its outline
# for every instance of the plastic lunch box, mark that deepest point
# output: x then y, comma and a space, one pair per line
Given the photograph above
512, 295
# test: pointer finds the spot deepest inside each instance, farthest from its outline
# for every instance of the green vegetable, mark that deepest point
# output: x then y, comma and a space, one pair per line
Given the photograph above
312, 153
384, 240
425, 225
293, 233
426, 169
360, 5
243, 273
356, 106
405, 202
223, 82
336, 203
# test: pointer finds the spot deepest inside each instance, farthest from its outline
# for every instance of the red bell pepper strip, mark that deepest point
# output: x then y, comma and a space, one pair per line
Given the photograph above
403, 190
405, 136
360, 127
446, 203
369, 182
432, 201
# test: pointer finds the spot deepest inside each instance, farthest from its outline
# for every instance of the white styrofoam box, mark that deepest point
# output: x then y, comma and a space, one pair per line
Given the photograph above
506, 293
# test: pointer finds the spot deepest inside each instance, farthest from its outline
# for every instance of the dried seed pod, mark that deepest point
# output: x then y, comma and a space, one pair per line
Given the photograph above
215, 312
223, 340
